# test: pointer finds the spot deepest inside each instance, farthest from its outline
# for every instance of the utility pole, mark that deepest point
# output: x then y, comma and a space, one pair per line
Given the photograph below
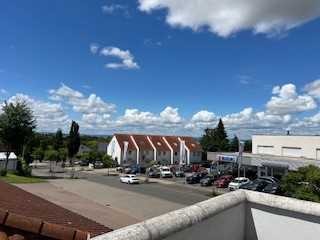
240, 149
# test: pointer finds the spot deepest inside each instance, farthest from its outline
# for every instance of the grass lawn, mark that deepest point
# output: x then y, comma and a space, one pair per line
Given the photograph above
12, 178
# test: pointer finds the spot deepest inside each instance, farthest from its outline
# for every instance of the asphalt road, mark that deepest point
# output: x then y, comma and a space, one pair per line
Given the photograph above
172, 193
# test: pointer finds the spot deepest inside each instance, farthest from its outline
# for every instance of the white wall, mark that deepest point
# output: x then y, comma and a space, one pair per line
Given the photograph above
116, 154
264, 223
308, 145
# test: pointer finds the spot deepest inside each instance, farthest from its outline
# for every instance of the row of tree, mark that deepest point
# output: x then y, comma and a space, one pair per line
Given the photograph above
17, 134
216, 140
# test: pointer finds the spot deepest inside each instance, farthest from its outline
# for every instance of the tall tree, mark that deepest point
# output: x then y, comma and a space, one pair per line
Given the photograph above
16, 127
73, 141
234, 144
58, 141
216, 139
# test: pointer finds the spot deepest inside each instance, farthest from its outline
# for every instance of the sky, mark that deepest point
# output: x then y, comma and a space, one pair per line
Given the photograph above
164, 66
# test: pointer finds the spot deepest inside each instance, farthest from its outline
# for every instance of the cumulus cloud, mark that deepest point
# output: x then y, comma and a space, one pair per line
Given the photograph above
127, 59
227, 17
287, 100
80, 103
313, 88
168, 118
49, 116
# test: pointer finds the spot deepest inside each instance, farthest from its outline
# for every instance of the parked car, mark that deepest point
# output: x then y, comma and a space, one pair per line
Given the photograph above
273, 188
193, 178
179, 173
98, 164
127, 170
165, 172
256, 185
270, 179
84, 163
207, 180
237, 182
129, 179
153, 173
223, 181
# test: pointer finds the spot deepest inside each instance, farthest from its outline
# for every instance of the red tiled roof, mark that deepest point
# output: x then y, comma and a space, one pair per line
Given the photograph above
121, 138
192, 144
142, 142
27, 212
159, 143
173, 142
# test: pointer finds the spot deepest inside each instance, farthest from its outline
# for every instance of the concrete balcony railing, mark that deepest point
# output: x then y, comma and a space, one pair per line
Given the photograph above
237, 215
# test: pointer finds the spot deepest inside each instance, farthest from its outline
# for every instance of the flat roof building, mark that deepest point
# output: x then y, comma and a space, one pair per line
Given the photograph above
287, 146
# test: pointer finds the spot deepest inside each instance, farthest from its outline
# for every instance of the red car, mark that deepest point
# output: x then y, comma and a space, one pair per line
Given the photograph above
223, 181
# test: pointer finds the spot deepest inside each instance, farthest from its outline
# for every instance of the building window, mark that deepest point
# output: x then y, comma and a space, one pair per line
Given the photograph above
130, 152
164, 153
176, 153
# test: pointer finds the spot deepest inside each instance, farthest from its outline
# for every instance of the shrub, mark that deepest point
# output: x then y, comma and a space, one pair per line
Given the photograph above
23, 169
3, 172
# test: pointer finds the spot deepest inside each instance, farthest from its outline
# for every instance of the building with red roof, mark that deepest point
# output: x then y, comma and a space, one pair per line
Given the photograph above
138, 149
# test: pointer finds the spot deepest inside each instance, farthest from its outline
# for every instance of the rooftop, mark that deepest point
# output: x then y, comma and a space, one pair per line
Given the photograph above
239, 215
26, 213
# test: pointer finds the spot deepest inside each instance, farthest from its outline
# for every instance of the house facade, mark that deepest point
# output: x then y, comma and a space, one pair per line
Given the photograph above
140, 149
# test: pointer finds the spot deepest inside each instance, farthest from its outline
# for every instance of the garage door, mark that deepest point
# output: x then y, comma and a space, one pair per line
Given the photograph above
291, 152
266, 150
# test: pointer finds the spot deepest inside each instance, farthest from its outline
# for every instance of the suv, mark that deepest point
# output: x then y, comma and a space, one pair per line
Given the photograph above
165, 172
193, 178
237, 182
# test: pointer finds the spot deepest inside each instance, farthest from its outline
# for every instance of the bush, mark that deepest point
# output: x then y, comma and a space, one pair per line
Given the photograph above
3, 172
303, 184
23, 169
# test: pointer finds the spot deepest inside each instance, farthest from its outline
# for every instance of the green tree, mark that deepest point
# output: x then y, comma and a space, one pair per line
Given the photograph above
221, 137
51, 155
17, 124
302, 184
216, 139
234, 144
108, 162
248, 146
73, 141
38, 154
58, 141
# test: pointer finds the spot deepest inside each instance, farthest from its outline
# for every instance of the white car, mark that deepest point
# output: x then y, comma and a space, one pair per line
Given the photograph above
165, 172
129, 179
237, 182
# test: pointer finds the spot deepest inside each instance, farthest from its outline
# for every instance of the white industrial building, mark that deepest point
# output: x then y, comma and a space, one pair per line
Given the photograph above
131, 149
287, 146
274, 155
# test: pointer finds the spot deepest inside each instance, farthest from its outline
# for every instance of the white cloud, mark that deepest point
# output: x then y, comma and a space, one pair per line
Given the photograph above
288, 101
49, 116
3, 91
94, 48
114, 8
229, 16
313, 88
127, 59
170, 116
80, 103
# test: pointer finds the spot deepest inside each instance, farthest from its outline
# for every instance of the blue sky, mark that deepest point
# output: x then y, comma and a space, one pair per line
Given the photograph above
185, 65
